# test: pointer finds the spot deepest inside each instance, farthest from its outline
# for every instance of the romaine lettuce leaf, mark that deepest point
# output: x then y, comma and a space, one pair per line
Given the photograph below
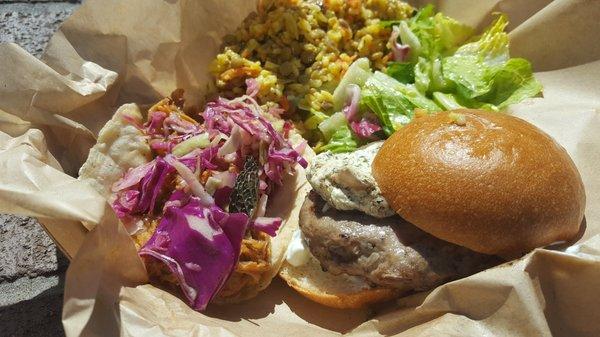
393, 102
408, 37
342, 140
357, 73
315, 118
403, 72
470, 68
329, 126
492, 46
511, 83
484, 74
468, 73
446, 101
436, 34
429, 76
450, 34
423, 75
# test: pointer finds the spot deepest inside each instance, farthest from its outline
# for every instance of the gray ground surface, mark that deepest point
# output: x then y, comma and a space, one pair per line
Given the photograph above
31, 268
31, 24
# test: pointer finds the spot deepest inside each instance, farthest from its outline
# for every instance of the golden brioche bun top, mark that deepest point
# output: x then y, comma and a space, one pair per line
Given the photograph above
487, 181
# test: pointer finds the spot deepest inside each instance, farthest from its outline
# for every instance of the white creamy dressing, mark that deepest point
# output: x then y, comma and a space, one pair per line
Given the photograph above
345, 182
297, 253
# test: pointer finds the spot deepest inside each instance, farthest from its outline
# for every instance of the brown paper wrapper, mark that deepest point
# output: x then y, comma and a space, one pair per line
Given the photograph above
113, 52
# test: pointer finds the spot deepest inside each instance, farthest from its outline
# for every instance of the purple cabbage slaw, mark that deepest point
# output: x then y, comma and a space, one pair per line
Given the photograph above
199, 243
196, 238
367, 126
399, 51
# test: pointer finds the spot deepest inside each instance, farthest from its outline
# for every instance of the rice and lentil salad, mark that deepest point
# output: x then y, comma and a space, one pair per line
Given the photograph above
348, 72
299, 50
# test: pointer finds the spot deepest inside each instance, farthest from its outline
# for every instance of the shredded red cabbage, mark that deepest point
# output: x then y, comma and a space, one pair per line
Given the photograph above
252, 87
196, 238
174, 123
399, 51
136, 194
133, 176
266, 225
155, 122
365, 129
244, 113
222, 196
167, 130
351, 109
199, 244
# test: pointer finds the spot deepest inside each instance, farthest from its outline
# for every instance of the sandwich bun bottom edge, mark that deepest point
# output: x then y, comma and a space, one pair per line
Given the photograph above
335, 291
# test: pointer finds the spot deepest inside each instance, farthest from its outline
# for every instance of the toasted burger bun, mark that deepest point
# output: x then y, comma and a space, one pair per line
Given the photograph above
336, 291
122, 146
487, 181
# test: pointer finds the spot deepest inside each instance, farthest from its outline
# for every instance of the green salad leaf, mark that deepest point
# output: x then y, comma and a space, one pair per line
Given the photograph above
492, 46
450, 34
393, 102
342, 140
329, 126
468, 73
484, 72
403, 72
446, 101
437, 34
447, 68
429, 76
358, 72
512, 82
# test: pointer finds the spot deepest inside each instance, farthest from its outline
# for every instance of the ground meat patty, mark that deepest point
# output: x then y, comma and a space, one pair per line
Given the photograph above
388, 252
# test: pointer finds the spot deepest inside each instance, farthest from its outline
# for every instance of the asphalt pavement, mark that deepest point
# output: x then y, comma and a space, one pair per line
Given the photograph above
32, 269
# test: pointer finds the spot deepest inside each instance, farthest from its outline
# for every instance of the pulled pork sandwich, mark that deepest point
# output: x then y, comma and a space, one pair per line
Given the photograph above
197, 193
444, 197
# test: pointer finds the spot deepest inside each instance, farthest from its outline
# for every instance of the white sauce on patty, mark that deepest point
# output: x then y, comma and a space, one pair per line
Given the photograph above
345, 181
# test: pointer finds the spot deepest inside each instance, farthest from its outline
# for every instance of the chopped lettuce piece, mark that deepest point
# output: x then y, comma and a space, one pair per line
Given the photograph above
423, 75
409, 91
358, 72
482, 69
492, 46
342, 140
393, 102
450, 34
437, 34
511, 83
469, 73
329, 126
403, 72
446, 101
316, 118
429, 76
200, 141
408, 37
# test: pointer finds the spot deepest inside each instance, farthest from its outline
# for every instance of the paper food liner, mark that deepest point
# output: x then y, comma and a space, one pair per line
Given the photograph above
114, 52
